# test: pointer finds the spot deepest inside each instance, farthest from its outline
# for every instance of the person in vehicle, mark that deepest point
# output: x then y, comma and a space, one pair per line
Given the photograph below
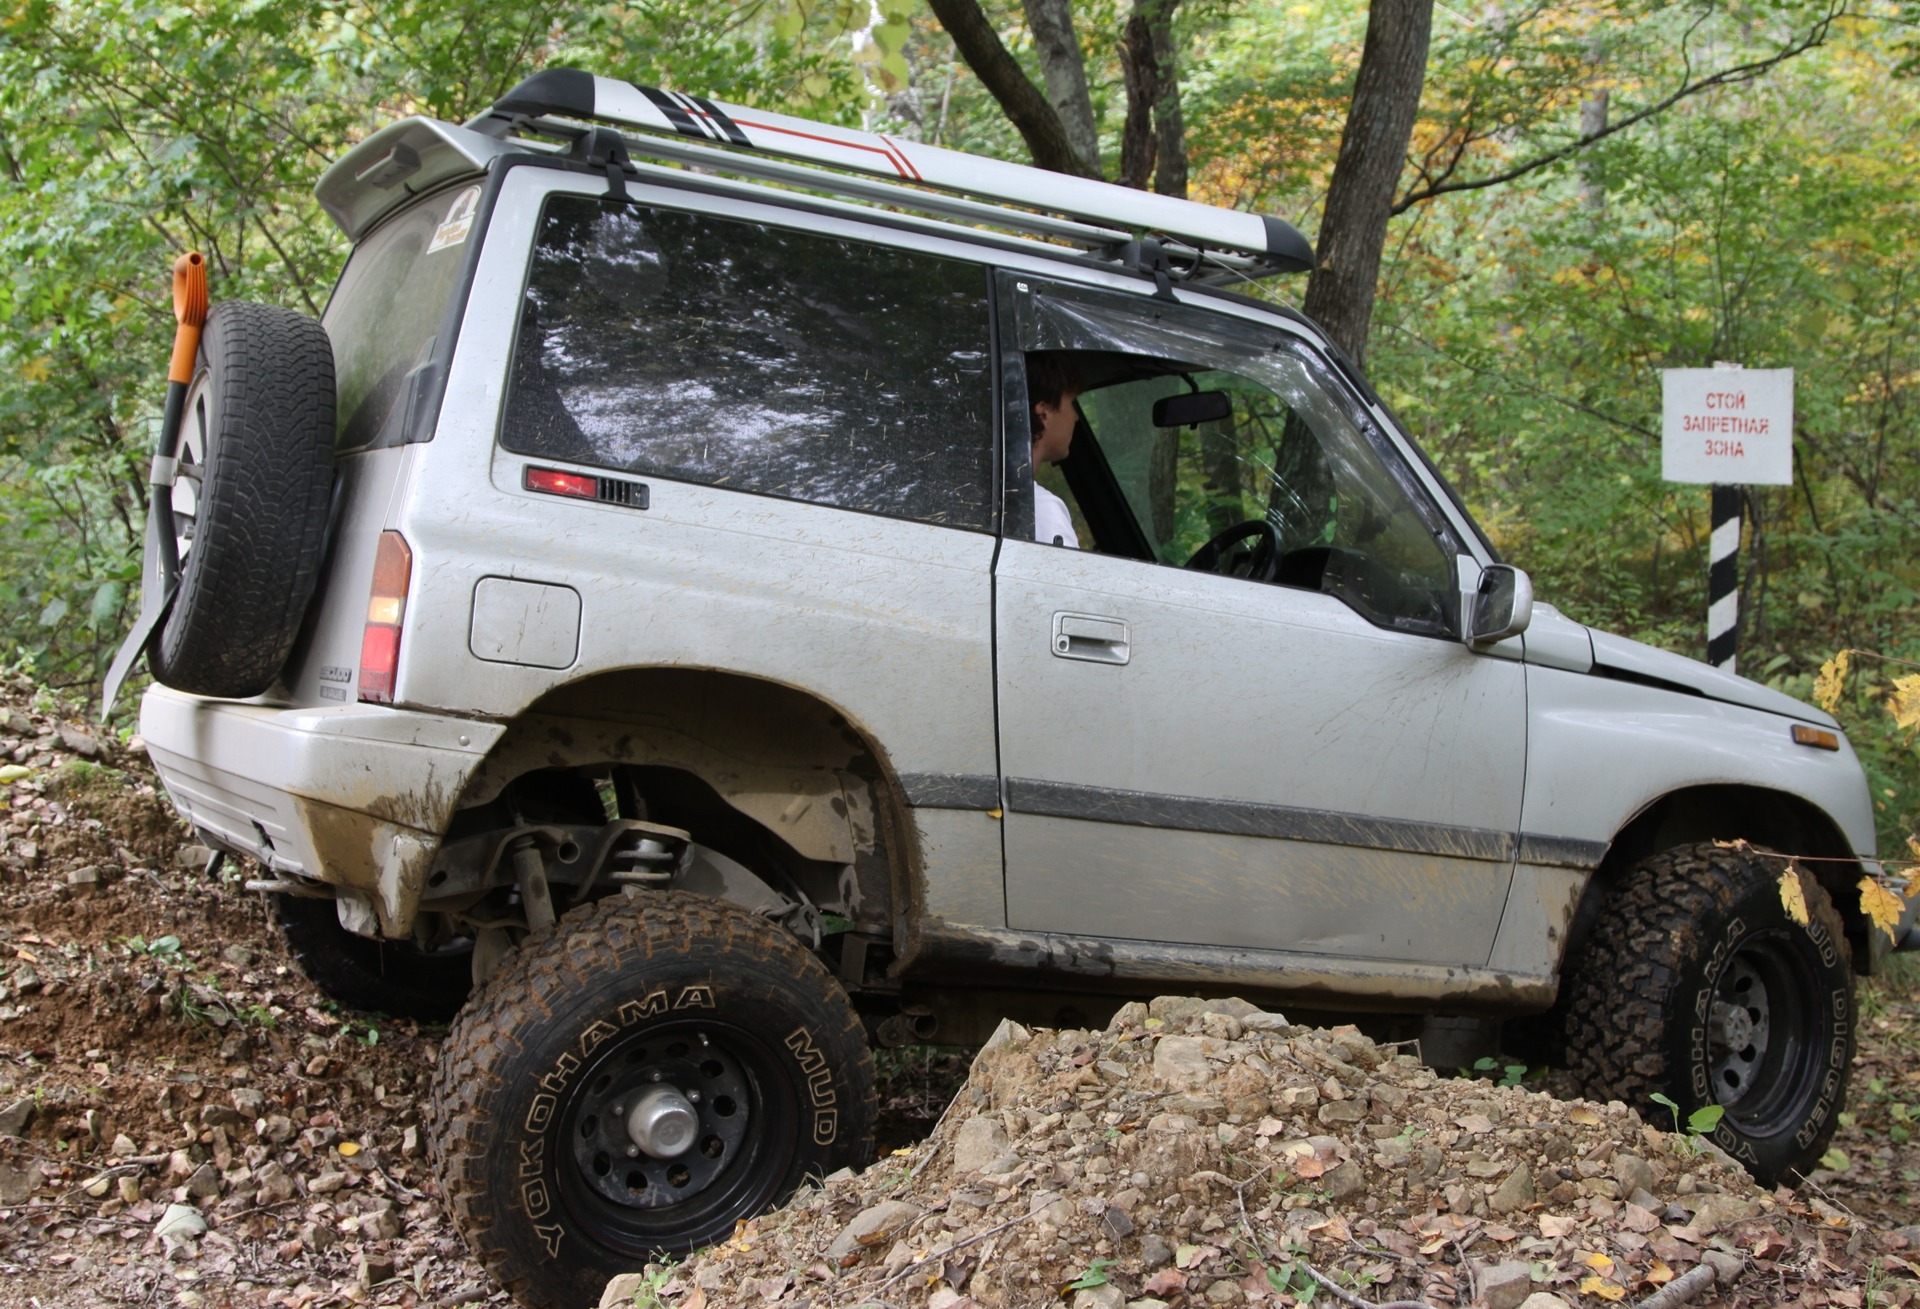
1053, 384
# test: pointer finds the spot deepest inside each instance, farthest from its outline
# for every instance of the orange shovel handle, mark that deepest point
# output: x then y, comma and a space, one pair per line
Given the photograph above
190, 312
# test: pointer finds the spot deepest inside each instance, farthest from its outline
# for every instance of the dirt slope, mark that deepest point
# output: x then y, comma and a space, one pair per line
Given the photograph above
184, 1121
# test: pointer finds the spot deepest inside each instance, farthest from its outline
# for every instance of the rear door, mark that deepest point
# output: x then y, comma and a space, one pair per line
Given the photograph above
1291, 750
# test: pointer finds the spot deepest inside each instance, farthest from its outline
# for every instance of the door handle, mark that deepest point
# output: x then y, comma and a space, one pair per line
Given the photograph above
1092, 638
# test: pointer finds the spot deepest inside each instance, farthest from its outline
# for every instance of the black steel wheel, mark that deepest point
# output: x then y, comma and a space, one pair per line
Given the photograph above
635, 1082
1699, 985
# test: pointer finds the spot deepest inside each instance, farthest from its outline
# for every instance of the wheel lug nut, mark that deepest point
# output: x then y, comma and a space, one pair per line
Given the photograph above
633, 1152
658, 1076
619, 1109
693, 1096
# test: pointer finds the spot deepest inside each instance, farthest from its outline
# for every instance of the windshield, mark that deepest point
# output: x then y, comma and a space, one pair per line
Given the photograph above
387, 314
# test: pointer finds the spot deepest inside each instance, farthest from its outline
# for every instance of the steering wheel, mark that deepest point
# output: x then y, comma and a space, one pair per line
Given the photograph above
1260, 564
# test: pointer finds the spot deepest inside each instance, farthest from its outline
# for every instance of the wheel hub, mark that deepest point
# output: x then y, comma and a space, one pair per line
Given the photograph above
1739, 1030
662, 1121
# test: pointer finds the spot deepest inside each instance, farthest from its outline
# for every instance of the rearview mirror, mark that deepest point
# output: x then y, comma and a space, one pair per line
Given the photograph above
1192, 407
1500, 607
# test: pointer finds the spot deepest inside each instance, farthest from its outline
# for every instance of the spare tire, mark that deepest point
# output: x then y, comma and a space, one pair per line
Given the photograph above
250, 499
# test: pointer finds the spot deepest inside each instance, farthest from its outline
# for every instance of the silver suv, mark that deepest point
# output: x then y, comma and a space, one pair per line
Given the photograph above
629, 609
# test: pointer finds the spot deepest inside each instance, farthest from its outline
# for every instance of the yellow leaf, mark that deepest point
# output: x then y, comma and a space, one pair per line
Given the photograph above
1904, 703
1832, 681
1793, 896
1601, 1287
349, 1148
1913, 846
1659, 1274
1597, 1261
1881, 905
1584, 1116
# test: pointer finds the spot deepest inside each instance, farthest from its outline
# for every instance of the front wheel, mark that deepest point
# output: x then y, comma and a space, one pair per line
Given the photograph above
1699, 985
637, 1080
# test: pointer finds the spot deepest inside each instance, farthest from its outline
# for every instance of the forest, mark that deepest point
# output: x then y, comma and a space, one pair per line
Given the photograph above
1586, 195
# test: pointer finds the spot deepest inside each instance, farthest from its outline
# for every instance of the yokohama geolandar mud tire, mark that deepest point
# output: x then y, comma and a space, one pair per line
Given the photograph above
683, 1023
1698, 985
257, 479
389, 977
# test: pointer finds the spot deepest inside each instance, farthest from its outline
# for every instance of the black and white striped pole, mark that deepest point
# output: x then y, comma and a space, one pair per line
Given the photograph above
1723, 579
1729, 427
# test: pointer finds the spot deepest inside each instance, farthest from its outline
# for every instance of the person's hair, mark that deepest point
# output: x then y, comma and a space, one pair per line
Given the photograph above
1051, 374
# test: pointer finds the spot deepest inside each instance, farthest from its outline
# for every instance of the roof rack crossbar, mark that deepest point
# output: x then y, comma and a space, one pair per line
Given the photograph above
763, 169
571, 93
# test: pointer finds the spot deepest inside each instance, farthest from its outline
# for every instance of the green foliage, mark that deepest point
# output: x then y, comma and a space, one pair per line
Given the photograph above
1700, 1123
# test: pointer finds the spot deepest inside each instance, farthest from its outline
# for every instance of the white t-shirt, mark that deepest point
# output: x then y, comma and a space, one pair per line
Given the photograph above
1052, 524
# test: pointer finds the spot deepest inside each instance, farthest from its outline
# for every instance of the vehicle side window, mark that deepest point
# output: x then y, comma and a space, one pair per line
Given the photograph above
757, 358
1279, 450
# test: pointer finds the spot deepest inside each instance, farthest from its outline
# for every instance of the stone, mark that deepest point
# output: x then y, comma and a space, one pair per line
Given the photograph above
1633, 1173
179, 1224
83, 881
1347, 1179
1118, 1226
621, 1290
1506, 1285
1342, 1111
1100, 1297
129, 1187
326, 1183
250, 1101
220, 1115
15, 1117
373, 1269
981, 1146
1544, 1300
16, 1184
1716, 1211
1181, 1062
1513, 1194
123, 1146
81, 743
275, 1186
1911, 1235
872, 1226
238, 955
192, 858
1154, 1252
204, 1184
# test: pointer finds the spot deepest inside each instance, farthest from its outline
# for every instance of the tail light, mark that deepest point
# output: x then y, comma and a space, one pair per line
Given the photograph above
386, 607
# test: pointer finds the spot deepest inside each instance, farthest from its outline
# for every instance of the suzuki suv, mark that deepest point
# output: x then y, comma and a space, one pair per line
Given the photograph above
625, 606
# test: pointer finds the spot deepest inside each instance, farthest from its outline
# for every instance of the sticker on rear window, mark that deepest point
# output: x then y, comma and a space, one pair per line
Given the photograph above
454, 227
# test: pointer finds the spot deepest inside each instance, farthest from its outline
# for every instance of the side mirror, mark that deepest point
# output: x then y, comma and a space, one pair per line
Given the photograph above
1500, 607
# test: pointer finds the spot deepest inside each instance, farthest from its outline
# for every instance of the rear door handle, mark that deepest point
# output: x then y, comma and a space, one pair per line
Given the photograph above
1091, 637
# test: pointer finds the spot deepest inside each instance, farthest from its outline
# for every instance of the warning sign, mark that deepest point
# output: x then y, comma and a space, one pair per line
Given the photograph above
1727, 426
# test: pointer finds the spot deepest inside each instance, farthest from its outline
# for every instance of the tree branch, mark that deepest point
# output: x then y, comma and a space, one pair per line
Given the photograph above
1025, 107
1747, 72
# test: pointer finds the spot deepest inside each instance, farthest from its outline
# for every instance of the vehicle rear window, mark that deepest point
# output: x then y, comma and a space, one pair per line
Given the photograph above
387, 314
739, 355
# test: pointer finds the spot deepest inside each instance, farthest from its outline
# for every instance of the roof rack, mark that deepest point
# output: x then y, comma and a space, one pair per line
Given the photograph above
1095, 216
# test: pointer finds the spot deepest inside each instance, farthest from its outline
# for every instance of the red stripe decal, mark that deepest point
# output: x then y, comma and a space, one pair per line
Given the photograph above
900, 160
900, 166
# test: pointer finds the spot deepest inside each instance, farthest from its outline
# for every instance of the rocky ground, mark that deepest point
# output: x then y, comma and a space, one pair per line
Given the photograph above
185, 1121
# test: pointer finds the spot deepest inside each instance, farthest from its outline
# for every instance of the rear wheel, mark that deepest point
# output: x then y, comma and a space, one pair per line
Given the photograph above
1699, 985
381, 976
636, 1081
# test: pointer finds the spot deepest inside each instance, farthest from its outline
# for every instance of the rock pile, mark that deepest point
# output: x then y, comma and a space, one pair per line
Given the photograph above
1207, 1153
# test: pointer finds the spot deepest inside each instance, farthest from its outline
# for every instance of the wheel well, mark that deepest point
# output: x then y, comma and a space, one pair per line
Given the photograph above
769, 775
1775, 820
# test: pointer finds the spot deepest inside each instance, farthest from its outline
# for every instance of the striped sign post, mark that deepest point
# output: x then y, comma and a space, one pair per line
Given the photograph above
1723, 579
1729, 427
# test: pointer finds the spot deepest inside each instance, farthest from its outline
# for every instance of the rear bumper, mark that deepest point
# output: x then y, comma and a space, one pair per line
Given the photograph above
354, 795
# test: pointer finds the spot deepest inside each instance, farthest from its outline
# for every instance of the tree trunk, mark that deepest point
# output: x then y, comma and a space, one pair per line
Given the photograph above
1138, 69
1373, 150
1169, 124
1022, 102
1051, 22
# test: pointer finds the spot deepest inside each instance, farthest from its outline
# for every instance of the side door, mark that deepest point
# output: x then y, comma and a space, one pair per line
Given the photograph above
1240, 715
